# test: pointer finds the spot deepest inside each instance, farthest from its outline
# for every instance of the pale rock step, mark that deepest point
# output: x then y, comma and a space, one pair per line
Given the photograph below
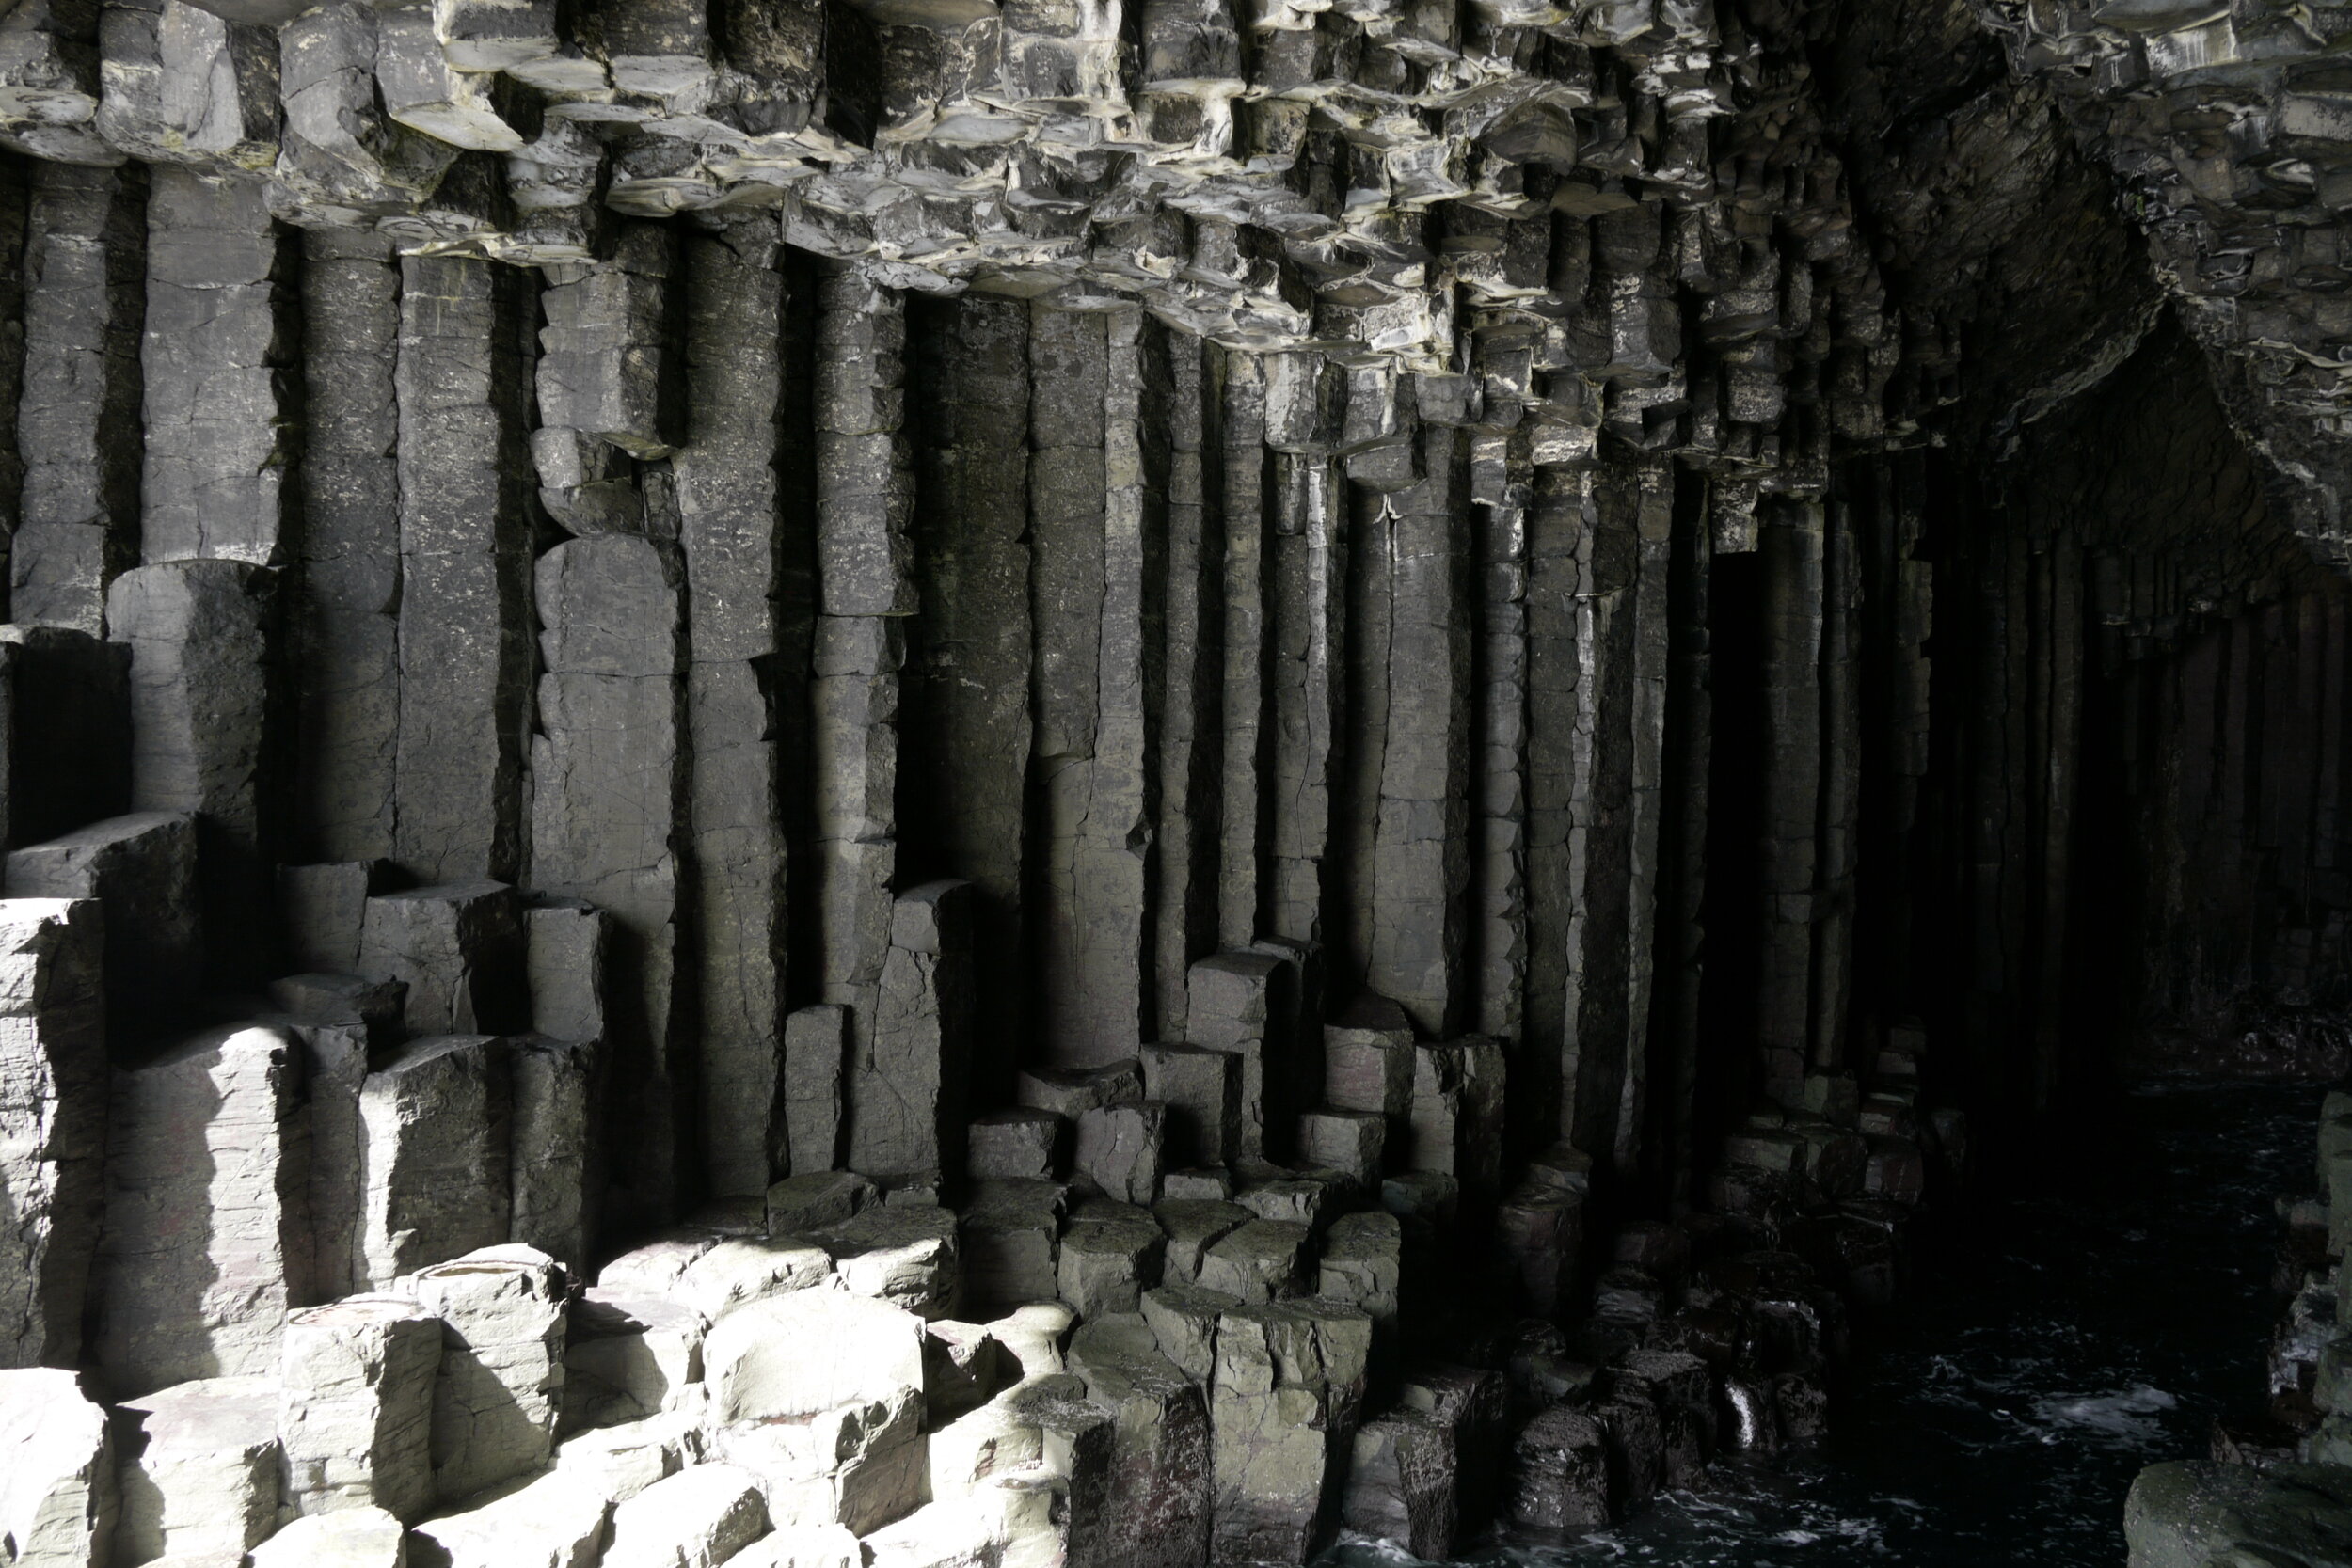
351, 1538
201, 1469
698, 1518
58, 1504
627, 1358
547, 1521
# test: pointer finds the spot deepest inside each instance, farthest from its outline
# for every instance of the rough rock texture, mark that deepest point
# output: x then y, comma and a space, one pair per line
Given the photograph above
1181, 773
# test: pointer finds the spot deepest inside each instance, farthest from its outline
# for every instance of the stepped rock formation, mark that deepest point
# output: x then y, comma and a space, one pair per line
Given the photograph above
976, 782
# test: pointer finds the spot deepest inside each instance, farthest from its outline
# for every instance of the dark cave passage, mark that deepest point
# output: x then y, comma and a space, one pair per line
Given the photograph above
834, 784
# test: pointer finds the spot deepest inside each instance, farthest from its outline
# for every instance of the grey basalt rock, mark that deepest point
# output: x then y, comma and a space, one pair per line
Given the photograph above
501, 1378
207, 1238
51, 1173
436, 1120
356, 1413
202, 1470
58, 1501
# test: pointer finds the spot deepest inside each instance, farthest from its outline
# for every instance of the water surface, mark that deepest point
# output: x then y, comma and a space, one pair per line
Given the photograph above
2048, 1349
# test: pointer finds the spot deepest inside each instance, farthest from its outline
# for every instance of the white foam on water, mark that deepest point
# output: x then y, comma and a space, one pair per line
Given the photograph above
2128, 1414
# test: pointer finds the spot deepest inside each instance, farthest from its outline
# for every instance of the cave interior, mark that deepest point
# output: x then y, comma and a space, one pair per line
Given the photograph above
982, 783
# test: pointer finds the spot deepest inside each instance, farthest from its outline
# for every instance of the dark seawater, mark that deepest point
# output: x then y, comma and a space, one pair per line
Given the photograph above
2050, 1347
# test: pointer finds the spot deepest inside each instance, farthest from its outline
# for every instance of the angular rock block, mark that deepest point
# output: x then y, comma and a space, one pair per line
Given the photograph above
1368, 1061
358, 1379
207, 1238
1680, 1388
904, 1095
438, 1139
960, 1369
1473, 1407
322, 911
201, 1474
799, 1205
1182, 1320
1010, 1234
354, 1538
553, 1085
1271, 1459
1159, 1502
1106, 1265
1119, 1151
904, 1254
1013, 1146
1200, 1185
1194, 1225
53, 1123
1363, 1265
1261, 1262
1348, 1142
708, 1513
1400, 1485
815, 1051
199, 690
1071, 1093
142, 869
1456, 1124
1202, 1089
1538, 1235
495, 1395
802, 1546
334, 1065
656, 1266
627, 1358
1233, 1002
809, 1352
550, 1521
618, 1461
1560, 1476
459, 948
743, 1269
564, 944
58, 1497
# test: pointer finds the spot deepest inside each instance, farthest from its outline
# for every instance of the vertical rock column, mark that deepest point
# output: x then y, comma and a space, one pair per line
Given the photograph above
501, 1367
53, 1123
606, 787
199, 634
78, 424
1421, 862
608, 773
465, 553
1093, 512
904, 1099
729, 533
218, 373
343, 623
1241, 458
1502, 487
15, 203
1791, 545
865, 485
967, 681
1650, 542
356, 1411
207, 1238
1190, 750
1308, 614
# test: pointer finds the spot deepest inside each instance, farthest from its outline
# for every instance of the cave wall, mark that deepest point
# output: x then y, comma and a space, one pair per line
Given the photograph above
1552, 648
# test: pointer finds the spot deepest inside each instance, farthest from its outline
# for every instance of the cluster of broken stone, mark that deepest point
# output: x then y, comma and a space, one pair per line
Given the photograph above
2230, 122
1546, 221
330, 1257
2278, 1490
